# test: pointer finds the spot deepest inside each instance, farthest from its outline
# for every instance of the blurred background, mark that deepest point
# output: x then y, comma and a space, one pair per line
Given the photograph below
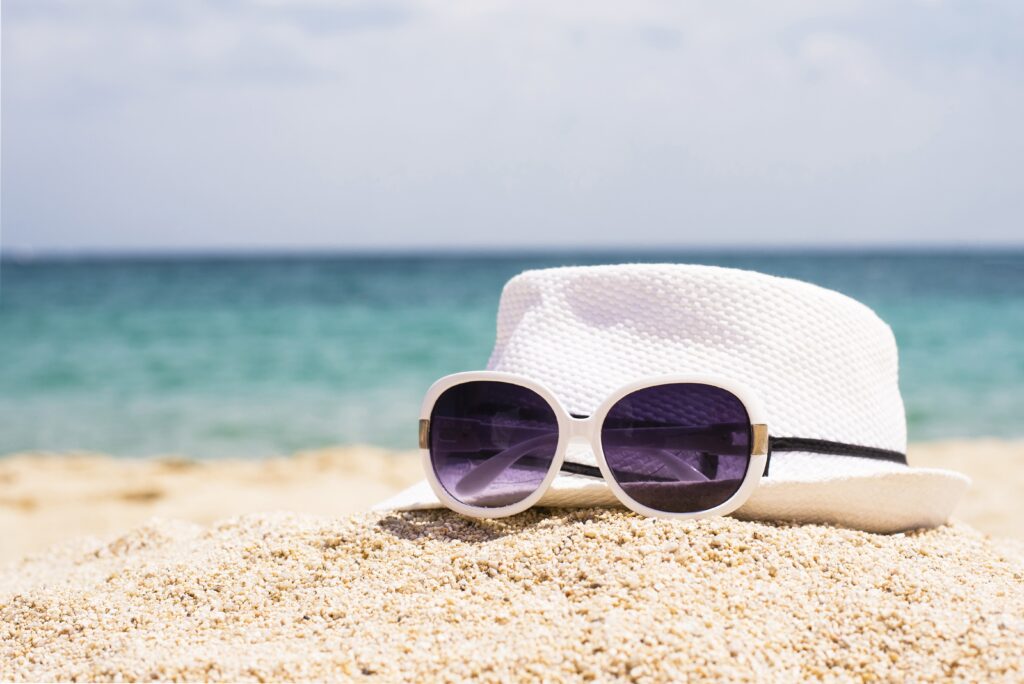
251, 228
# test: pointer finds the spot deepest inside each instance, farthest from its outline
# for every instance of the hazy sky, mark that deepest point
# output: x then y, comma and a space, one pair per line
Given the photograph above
304, 124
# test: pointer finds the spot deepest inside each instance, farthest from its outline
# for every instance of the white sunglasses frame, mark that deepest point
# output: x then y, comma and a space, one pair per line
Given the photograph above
589, 429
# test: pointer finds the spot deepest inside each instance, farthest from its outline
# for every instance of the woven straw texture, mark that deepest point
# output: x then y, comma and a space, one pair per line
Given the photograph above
824, 365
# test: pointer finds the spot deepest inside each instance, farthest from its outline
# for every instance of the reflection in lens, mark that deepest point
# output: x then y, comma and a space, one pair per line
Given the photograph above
679, 448
492, 443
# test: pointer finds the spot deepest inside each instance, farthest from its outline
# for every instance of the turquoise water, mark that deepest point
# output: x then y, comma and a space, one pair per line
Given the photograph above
255, 356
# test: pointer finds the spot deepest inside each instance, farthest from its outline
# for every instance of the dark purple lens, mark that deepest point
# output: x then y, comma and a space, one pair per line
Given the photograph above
679, 448
492, 443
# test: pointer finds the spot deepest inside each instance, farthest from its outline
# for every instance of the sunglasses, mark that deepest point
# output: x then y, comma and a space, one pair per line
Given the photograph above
671, 447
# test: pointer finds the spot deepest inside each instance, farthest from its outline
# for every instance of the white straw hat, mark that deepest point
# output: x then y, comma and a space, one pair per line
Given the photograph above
823, 365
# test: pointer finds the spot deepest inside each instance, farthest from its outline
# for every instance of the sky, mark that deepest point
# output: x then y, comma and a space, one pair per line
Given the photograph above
437, 124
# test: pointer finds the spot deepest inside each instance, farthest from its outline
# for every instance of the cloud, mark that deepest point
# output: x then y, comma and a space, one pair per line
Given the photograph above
226, 124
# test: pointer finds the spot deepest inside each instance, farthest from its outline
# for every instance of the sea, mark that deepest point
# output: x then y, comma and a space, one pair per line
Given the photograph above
251, 356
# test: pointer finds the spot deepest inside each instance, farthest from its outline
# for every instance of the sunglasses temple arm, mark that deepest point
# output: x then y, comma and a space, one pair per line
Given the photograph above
480, 477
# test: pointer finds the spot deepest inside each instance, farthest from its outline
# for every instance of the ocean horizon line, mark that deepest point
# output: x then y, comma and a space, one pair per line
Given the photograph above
19, 256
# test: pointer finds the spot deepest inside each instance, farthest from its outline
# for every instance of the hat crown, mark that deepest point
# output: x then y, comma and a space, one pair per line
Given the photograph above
824, 365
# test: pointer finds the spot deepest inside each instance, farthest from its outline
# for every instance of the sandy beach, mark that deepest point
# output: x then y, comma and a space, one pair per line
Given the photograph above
45, 499
266, 570
548, 595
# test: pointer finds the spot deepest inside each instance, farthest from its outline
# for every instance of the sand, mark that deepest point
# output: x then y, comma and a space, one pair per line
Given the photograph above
46, 499
554, 595
994, 503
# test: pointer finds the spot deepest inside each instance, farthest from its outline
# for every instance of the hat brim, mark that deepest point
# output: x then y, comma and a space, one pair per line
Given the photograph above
863, 494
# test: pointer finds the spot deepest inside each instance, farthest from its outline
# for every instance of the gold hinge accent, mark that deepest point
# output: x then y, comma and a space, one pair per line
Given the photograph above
760, 444
424, 433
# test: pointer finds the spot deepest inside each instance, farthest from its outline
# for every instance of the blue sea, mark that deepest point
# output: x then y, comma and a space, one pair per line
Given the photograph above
252, 356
